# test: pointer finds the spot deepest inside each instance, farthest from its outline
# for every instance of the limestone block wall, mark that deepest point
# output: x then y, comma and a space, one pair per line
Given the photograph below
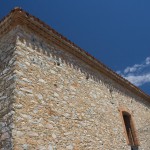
7, 86
61, 103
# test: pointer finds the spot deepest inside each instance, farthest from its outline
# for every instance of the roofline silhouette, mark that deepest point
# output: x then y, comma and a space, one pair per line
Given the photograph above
18, 16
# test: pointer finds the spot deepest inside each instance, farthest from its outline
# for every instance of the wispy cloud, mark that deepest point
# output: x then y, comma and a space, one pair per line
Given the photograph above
137, 74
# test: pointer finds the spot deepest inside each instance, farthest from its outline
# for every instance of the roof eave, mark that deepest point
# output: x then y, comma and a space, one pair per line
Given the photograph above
19, 17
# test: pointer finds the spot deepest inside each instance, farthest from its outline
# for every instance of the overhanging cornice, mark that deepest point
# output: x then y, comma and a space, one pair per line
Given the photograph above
19, 17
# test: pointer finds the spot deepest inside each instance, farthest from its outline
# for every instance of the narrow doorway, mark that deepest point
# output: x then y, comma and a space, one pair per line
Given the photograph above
130, 131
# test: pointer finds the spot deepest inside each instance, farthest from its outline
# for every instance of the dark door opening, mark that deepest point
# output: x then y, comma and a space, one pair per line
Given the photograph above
134, 147
130, 131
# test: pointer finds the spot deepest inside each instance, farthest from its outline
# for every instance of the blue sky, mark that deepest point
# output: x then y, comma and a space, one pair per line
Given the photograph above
116, 32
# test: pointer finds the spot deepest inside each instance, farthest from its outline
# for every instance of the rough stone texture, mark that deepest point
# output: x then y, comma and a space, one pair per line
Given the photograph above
61, 103
7, 85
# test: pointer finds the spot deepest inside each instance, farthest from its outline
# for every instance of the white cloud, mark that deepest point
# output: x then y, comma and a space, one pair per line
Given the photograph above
138, 80
137, 74
133, 68
147, 60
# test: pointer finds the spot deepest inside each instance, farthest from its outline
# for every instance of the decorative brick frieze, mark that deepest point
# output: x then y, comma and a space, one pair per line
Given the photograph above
19, 17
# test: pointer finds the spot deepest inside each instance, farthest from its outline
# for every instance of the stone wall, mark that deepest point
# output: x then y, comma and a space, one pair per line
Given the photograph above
7, 85
61, 103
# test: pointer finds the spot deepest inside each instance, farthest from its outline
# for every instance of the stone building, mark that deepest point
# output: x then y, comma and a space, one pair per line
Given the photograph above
55, 96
